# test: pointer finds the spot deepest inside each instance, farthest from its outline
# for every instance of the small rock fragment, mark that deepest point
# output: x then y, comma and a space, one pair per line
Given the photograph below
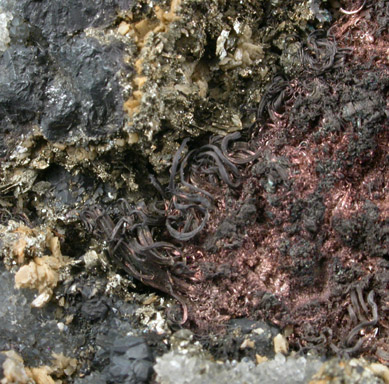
41, 375
123, 28
91, 259
13, 369
247, 343
280, 344
260, 359
41, 300
63, 364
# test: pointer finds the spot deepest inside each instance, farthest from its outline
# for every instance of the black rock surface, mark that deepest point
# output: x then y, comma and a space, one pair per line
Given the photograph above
58, 18
55, 76
30, 331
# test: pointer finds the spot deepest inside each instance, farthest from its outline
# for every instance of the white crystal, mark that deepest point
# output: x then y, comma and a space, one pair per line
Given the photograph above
221, 40
175, 368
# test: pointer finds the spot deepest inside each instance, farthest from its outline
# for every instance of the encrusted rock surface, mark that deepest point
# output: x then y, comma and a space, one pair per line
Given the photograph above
269, 226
